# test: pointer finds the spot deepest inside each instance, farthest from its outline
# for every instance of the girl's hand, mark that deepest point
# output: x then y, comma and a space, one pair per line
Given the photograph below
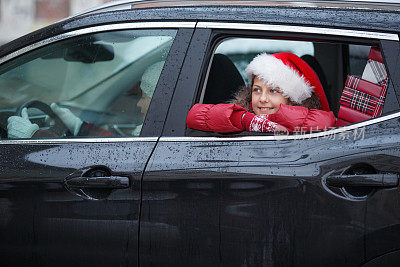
260, 123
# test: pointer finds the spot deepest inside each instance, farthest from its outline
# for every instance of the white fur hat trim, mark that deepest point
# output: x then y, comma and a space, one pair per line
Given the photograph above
276, 74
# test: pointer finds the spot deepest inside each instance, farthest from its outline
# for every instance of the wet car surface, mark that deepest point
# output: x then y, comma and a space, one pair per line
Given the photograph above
156, 193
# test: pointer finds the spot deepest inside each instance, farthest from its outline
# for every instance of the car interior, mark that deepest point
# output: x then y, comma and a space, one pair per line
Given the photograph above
336, 64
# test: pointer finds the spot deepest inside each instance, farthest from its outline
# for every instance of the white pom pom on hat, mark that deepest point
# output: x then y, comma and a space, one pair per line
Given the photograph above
294, 77
150, 78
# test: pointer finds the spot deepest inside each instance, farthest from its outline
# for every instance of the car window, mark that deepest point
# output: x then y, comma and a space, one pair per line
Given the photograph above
353, 76
101, 85
242, 50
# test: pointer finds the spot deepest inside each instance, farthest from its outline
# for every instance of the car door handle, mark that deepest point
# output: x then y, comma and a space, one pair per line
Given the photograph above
110, 182
360, 180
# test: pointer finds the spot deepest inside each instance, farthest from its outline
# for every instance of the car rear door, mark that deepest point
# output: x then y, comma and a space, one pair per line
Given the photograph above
383, 217
71, 201
261, 200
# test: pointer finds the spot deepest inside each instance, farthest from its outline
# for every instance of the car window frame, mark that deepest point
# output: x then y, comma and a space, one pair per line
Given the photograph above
165, 86
391, 56
187, 94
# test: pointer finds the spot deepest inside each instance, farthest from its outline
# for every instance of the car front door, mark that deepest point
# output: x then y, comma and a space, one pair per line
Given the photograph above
73, 198
261, 200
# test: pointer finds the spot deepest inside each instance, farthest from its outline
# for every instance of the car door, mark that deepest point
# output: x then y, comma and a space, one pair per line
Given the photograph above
73, 198
382, 219
266, 200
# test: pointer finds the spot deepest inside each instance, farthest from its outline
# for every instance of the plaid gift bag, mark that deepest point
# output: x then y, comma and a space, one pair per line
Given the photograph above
363, 98
375, 71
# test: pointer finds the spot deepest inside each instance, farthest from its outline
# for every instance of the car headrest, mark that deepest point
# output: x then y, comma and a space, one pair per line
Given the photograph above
314, 64
223, 81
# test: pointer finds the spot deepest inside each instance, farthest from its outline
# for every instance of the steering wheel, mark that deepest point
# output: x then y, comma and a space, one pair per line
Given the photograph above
58, 128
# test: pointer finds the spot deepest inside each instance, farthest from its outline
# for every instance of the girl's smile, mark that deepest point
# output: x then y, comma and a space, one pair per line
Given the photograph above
265, 99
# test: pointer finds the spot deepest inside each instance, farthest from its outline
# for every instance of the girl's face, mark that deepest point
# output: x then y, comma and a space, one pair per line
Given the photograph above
265, 99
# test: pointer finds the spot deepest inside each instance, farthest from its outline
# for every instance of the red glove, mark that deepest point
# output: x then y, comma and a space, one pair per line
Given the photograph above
259, 123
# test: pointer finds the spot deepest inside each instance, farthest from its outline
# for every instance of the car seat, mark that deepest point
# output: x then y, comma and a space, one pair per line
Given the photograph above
363, 98
224, 80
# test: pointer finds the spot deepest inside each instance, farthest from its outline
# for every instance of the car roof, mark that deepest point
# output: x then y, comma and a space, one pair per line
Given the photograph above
356, 14
132, 4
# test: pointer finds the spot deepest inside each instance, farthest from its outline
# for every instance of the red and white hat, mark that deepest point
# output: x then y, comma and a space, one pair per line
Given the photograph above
294, 77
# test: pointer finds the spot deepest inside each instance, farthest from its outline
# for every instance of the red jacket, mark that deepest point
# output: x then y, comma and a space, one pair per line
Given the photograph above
226, 118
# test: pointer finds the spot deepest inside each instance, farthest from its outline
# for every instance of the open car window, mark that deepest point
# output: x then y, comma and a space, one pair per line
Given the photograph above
106, 80
353, 75
242, 50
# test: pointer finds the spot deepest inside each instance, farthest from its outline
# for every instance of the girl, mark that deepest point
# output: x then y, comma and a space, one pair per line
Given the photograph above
285, 95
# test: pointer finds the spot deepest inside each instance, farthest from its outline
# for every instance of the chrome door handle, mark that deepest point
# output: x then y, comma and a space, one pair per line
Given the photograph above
385, 180
110, 182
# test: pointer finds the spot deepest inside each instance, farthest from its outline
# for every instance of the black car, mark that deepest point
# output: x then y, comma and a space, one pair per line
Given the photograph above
145, 190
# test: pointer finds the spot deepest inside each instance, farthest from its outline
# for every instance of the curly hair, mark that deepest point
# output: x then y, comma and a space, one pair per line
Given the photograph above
312, 102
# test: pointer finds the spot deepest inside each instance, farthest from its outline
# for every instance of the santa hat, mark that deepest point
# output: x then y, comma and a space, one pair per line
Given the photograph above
294, 78
150, 78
